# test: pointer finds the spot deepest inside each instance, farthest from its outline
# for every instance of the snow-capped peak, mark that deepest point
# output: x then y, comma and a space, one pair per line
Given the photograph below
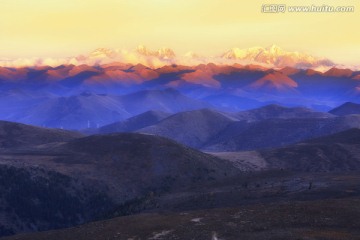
276, 56
274, 49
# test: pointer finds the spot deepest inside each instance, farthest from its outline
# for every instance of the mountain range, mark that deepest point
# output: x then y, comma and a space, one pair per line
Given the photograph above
272, 56
231, 79
75, 97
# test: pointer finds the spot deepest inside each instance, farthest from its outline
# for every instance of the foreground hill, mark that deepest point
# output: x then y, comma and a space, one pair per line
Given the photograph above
136, 162
128, 164
346, 109
74, 179
14, 135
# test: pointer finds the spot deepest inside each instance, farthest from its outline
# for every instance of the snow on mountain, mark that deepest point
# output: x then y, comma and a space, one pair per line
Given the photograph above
271, 57
162, 53
277, 57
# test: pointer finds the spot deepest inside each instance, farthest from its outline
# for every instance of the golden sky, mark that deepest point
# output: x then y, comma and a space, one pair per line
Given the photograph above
59, 28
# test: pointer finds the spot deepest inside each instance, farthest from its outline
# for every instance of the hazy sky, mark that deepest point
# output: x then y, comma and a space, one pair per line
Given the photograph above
56, 28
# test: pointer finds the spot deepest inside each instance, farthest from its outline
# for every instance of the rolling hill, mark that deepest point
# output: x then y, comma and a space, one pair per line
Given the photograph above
55, 179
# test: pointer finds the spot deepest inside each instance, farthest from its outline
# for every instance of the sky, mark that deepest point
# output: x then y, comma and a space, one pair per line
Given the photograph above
62, 28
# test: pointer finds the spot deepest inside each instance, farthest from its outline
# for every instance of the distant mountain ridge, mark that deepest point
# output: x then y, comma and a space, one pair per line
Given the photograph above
272, 56
89, 110
346, 109
265, 127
